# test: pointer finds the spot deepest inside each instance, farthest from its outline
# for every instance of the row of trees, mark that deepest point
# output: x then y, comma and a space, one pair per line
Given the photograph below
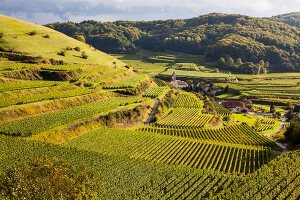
238, 66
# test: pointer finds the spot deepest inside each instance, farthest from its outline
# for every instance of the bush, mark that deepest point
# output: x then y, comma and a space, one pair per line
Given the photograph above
84, 55
46, 36
56, 62
62, 53
1, 35
45, 178
81, 38
68, 48
77, 49
32, 33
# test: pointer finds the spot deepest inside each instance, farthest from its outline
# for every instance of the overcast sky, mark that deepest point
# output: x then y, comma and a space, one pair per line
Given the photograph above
47, 11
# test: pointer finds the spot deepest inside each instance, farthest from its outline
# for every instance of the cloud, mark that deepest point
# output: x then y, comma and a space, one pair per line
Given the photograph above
46, 11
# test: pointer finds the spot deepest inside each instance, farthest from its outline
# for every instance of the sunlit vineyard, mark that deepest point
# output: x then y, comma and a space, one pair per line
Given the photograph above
129, 82
278, 180
12, 84
139, 136
203, 155
40, 94
155, 92
36, 124
236, 134
265, 123
184, 117
188, 100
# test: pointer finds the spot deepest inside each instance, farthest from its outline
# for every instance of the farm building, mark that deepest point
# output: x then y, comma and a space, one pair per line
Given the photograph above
232, 104
240, 106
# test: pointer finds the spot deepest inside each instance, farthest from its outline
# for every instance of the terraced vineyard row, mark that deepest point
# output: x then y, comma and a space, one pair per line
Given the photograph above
11, 84
265, 123
195, 154
264, 127
188, 100
160, 83
239, 134
39, 94
195, 186
21, 111
48, 121
129, 82
280, 179
122, 178
267, 120
184, 117
221, 110
155, 92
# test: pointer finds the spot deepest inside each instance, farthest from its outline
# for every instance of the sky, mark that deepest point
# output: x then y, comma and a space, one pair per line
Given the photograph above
48, 11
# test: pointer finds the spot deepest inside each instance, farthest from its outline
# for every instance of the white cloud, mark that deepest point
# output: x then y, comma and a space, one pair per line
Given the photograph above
44, 11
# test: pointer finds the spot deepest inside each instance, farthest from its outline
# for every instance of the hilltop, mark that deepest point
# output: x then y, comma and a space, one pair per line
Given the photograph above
289, 18
212, 36
23, 40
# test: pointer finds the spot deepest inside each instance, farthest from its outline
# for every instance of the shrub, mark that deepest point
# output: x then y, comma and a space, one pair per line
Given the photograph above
81, 38
1, 35
68, 48
32, 33
46, 36
84, 55
45, 178
77, 49
56, 62
62, 53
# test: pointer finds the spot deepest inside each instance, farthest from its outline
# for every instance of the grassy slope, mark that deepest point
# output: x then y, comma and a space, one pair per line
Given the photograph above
16, 38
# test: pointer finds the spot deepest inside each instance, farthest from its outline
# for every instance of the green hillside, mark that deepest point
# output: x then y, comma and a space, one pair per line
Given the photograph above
136, 136
34, 40
213, 36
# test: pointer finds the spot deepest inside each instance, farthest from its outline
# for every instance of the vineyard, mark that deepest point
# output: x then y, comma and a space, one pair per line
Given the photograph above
217, 157
265, 124
129, 82
199, 154
273, 87
184, 117
155, 92
188, 100
235, 134
39, 94
280, 179
36, 124
138, 136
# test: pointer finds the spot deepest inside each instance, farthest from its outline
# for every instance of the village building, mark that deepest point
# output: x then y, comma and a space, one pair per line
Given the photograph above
178, 83
240, 106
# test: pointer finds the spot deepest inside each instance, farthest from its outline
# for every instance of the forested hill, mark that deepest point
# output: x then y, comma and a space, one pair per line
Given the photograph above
214, 35
289, 18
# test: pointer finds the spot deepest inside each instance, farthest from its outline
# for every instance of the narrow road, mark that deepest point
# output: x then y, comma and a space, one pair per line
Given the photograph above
283, 146
154, 110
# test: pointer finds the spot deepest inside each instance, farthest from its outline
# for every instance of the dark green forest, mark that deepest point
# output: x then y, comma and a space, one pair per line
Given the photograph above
216, 36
